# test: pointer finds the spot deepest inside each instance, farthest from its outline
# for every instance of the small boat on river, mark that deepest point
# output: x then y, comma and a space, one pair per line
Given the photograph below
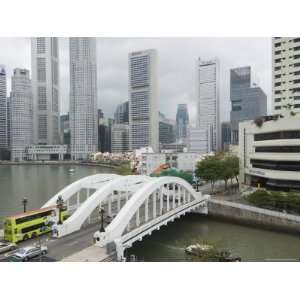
210, 253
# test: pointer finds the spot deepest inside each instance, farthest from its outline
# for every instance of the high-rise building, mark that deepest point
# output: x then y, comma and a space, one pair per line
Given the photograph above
3, 110
45, 89
199, 140
83, 97
182, 122
143, 100
286, 74
8, 123
119, 138
121, 114
208, 117
248, 101
21, 114
104, 134
65, 129
166, 130
225, 135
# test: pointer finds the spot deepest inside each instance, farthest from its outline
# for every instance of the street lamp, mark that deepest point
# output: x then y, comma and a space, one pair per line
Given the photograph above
24, 202
59, 205
101, 213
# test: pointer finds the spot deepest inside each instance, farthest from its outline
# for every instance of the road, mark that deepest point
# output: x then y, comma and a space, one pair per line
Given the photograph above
62, 247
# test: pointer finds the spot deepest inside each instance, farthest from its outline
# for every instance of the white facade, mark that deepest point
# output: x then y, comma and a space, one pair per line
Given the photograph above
83, 97
143, 100
208, 99
3, 109
286, 74
182, 161
200, 140
119, 138
44, 152
270, 154
45, 89
21, 114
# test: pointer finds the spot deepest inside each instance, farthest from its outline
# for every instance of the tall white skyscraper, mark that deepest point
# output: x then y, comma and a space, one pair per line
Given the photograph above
208, 118
3, 109
21, 114
45, 88
143, 100
83, 97
286, 74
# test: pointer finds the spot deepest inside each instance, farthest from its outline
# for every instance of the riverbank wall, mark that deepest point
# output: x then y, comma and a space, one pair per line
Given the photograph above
255, 216
60, 162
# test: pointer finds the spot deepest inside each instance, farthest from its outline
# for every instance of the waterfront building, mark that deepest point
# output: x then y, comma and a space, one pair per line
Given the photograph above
104, 134
3, 112
185, 161
225, 135
182, 122
173, 147
143, 99
248, 101
45, 89
199, 140
269, 153
83, 97
166, 130
121, 115
46, 152
8, 123
208, 116
65, 129
286, 74
119, 138
21, 114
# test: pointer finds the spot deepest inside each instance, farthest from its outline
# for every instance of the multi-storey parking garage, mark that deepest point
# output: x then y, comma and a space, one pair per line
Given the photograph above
270, 154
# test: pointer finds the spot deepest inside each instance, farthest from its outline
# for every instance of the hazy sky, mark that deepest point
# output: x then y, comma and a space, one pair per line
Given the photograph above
176, 65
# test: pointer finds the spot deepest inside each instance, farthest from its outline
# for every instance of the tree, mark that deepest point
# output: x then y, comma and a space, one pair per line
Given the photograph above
209, 169
125, 169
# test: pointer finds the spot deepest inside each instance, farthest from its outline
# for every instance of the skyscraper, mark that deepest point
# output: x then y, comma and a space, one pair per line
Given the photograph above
286, 74
121, 114
3, 110
225, 135
182, 122
45, 88
166, 130
83, 97
208, 118
21, 114
248, 101
119, 138
143, 99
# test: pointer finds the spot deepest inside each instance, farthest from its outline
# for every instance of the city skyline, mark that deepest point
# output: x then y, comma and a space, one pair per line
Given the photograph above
174, 67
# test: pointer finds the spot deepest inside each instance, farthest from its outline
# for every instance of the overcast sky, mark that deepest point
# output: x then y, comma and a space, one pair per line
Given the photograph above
176, 65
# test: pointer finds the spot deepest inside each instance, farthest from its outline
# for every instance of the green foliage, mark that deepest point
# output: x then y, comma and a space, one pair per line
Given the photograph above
125, 169
280, 201
218, 167
176, 173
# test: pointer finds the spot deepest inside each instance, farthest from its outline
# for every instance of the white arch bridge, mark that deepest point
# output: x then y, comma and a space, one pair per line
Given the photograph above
137, 205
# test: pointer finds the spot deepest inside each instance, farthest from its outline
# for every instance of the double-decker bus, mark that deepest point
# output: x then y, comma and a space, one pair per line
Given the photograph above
23, 226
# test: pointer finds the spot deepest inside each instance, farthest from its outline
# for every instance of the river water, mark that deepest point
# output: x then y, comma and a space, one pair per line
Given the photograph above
39, 182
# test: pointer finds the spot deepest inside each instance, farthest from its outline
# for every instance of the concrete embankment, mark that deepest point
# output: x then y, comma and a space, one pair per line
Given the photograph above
61, 162
251, 215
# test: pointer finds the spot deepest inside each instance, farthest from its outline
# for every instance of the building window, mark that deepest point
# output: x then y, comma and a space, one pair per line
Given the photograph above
41, 69
41, 45
278, 135
278, 149
276, 165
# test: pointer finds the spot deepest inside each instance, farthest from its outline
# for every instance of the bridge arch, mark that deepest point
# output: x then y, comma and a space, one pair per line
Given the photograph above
100, 196
114, 232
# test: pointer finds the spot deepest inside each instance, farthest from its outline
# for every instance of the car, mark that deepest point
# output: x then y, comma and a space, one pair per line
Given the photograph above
7, 246
26, 253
